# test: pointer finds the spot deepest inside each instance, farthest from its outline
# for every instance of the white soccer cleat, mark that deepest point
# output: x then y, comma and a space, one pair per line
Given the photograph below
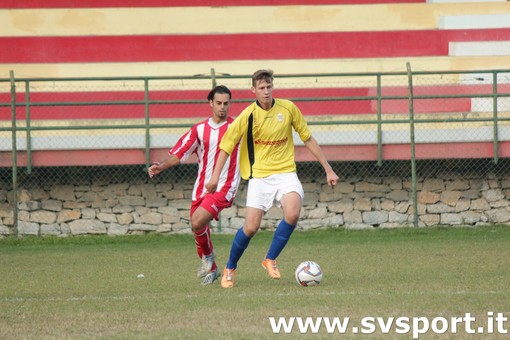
211, 277
205, 265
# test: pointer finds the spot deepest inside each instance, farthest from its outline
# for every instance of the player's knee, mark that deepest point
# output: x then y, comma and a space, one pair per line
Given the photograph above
251, 229
293, 221
197, 224
195, 228
291, 216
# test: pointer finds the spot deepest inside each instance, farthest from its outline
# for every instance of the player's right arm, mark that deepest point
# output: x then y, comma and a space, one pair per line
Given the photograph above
184, 147
157, 167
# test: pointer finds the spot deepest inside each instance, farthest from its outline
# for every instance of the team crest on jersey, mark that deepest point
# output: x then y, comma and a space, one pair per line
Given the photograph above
280, 117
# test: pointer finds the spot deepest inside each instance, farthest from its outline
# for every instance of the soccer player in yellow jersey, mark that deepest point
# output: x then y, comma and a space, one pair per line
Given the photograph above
267, 162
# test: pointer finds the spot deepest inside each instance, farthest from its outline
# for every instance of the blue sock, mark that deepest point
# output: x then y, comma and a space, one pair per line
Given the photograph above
280, 238
239, 245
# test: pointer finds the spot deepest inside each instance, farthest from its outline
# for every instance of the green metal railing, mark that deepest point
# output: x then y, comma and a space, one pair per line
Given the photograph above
379, 81
147, 103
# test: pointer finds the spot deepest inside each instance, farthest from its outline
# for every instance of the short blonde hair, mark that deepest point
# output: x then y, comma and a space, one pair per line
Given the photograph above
266, 75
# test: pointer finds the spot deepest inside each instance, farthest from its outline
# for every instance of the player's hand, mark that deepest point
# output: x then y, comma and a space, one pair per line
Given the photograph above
211, 186
332, 178
154, 169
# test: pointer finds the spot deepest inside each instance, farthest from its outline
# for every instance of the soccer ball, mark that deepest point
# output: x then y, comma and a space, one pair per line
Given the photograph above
308, 273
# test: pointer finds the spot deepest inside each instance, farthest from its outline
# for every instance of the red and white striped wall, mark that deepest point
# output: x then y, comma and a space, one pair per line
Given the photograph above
129, 38
57, 38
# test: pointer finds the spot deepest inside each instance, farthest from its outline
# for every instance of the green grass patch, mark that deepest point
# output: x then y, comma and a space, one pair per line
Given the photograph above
87, 287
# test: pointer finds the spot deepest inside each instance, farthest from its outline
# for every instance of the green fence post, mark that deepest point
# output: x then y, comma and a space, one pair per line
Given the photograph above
147, 125
28, 132
379, 121
412, 144
495, 115
14, 154
213, 77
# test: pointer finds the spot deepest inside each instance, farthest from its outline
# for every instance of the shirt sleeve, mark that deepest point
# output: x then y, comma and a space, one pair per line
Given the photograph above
186, 145
235, 132
299, 124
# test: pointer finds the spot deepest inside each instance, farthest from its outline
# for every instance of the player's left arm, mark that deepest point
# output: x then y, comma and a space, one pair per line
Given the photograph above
316, 150
299, 124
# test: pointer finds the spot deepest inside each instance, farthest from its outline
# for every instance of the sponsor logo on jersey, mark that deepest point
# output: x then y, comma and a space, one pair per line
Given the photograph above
272, 142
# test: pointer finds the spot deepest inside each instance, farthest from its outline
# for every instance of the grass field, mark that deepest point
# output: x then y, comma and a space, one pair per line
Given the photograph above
87, 287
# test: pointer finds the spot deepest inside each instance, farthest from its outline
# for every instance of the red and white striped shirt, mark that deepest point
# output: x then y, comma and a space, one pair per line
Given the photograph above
203, 139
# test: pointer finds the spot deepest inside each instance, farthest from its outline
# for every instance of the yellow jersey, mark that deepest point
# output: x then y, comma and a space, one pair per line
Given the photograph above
267, 146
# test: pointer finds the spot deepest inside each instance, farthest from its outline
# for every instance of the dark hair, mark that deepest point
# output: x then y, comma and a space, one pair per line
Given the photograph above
219, 89
266, 75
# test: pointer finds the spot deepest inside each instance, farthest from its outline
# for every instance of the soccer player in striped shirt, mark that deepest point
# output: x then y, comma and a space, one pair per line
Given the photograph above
203, 139
267, 162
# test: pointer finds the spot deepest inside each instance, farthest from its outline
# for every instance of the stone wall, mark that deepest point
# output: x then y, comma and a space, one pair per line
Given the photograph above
134, 208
